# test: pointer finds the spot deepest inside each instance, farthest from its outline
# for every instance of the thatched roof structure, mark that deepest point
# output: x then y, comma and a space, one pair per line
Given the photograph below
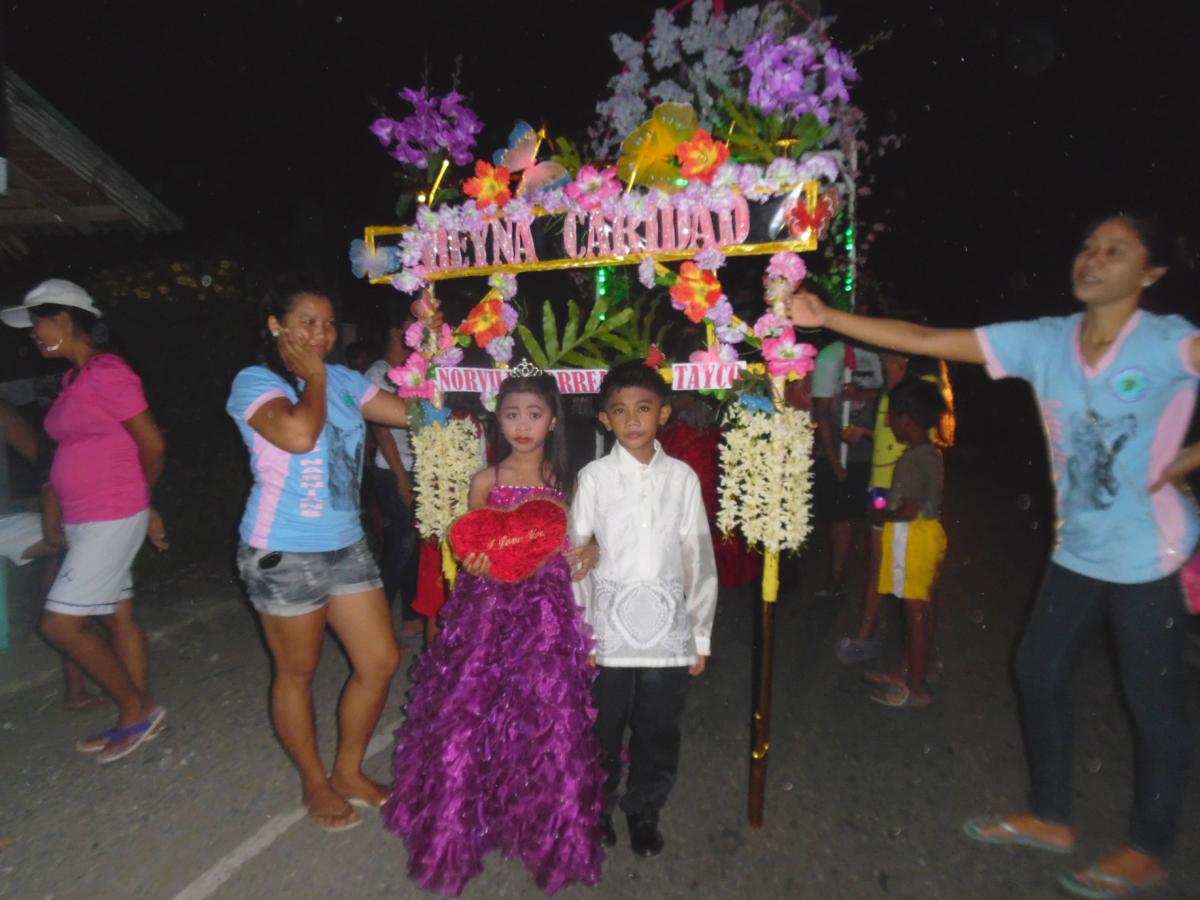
61, 183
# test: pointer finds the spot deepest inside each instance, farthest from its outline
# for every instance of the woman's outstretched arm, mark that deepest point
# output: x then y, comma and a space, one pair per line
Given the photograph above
958, 344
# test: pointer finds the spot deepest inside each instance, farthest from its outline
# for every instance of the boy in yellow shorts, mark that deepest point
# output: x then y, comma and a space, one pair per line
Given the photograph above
914, 542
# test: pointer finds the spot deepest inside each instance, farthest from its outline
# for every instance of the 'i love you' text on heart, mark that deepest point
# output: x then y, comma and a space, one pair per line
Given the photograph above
517, 541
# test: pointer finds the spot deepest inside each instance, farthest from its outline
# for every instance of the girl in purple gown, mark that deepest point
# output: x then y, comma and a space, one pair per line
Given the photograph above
497, 751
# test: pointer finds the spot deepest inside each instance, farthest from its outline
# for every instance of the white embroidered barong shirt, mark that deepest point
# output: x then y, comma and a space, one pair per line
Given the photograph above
652, 596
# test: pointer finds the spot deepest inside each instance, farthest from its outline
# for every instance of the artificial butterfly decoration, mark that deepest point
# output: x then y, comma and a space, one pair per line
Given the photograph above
648, 153
521, 156
383, 261
800, 220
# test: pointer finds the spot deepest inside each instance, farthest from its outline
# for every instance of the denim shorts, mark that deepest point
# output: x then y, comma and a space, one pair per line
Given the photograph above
282, 583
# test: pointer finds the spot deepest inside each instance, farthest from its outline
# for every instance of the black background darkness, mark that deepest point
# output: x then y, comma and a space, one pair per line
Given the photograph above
1021, 120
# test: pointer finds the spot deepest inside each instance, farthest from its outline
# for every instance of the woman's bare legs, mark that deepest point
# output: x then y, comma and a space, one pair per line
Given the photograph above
129, 644
73, 636
295, 645
363, 622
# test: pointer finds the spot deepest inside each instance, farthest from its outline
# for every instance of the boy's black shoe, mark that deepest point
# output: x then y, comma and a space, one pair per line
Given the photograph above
609, 833
644, 838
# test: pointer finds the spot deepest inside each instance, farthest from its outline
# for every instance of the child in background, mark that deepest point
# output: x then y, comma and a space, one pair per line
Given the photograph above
886, 451
652, 598
914, 542
497, 751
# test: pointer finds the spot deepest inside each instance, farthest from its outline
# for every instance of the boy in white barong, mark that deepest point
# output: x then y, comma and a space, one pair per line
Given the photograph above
650, 599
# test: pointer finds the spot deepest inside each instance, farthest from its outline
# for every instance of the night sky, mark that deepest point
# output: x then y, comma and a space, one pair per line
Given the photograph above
1020, 120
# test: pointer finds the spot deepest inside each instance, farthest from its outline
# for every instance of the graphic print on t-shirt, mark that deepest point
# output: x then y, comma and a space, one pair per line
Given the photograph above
1096, 442
345, 458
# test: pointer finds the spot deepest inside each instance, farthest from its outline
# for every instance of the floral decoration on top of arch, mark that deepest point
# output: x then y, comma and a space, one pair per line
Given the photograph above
729, 135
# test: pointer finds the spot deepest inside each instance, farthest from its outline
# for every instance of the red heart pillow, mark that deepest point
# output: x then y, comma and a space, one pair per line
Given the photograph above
518, 540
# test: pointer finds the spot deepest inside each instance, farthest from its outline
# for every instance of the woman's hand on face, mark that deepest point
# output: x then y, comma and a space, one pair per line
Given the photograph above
299, 356
157, 532
806, 310
479, 564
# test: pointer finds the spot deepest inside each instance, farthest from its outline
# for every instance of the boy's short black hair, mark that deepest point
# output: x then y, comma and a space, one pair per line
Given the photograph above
634, 373
919, 399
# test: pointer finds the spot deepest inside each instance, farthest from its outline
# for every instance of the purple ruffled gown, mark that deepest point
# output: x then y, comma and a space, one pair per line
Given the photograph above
497, 750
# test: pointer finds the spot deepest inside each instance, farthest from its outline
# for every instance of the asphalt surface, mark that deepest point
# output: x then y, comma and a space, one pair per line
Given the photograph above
862, 801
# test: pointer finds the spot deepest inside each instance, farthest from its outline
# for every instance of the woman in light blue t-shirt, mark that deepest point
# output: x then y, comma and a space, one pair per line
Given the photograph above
302, 553
1116, 386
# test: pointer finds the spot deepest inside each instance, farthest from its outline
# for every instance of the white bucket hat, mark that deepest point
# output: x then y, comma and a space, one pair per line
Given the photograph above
54, 290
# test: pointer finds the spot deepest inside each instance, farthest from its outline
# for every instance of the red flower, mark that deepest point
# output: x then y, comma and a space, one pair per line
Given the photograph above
702, 156
695, 292
655, 357
489, 186
485, 321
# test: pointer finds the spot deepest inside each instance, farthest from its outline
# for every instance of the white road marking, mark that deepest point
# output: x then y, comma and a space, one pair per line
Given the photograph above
210, 881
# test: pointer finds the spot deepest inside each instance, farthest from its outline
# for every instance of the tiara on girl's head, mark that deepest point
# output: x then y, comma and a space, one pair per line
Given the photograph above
525, 369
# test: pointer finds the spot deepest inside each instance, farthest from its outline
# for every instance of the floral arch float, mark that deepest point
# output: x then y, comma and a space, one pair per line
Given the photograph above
730, 136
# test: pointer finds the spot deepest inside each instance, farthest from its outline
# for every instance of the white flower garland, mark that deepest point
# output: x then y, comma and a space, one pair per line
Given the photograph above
446, 458
766, 492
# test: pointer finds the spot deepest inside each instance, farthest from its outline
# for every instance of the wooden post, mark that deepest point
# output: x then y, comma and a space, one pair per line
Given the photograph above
762, 707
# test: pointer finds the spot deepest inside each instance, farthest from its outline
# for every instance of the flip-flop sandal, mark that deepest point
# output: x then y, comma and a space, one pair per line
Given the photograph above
130, 738
334, 829
898, 695
1094, 882
1001, 832
363, 803
98, 742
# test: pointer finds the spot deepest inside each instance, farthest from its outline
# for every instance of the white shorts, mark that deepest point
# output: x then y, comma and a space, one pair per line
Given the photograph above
18, 533
95, 575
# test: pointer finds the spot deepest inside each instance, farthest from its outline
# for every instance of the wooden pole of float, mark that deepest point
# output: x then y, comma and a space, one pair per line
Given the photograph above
762, 708
766, 648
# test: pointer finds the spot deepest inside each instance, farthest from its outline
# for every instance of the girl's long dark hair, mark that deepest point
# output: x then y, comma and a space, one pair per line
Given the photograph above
278, 302
556, 461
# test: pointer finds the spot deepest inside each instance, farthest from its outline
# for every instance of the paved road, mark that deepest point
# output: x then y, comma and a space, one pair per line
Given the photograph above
862, 801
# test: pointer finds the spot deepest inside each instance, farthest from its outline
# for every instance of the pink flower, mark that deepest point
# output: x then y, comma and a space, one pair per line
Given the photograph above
787, 266
411, 379
787, 358
716, 353
768, 325
446, 338
413, 335
592, 186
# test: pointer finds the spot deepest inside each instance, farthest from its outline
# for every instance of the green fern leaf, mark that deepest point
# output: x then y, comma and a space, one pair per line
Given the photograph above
550, 332
533, 348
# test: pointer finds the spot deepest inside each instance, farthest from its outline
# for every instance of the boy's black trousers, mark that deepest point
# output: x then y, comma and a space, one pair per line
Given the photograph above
649, 701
